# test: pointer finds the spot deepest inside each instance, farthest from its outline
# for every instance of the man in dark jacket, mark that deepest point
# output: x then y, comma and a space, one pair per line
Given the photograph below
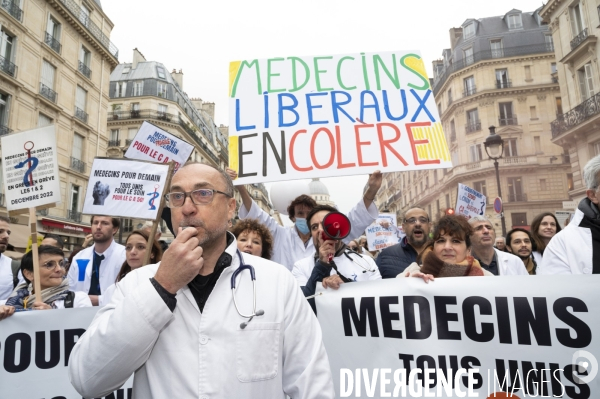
393, 260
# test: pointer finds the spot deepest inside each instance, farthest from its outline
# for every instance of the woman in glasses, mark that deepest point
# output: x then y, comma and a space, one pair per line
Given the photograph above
136, 246
55, 288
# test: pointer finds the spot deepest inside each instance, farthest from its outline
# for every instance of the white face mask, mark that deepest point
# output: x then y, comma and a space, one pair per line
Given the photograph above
301, 225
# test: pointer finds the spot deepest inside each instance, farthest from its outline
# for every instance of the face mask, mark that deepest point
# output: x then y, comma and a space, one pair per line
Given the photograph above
302, 226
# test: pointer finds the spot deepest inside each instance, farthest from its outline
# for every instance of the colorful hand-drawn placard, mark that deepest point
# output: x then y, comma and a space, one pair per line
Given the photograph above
383, 232
121, 187
470, 202
30, 168
153, 144
333, 115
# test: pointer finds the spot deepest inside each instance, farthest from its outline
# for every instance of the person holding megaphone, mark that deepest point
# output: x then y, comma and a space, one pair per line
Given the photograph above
333, 263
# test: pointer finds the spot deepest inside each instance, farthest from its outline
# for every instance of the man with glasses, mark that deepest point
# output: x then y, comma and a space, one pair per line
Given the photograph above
393, 260
185, 332
55, 288
95, 268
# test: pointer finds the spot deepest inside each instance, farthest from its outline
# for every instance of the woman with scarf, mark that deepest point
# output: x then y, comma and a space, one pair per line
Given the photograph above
449, 253
55, 288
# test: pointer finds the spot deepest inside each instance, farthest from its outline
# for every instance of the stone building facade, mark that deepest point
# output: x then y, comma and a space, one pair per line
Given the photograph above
55, 63
498, 72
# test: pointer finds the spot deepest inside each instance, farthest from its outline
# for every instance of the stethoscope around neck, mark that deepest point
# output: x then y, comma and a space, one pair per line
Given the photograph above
240, 269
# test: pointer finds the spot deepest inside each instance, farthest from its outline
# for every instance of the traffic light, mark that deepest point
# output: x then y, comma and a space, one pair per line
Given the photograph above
450, 211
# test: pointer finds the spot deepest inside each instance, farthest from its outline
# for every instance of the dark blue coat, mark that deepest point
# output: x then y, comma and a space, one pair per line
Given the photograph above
393, 260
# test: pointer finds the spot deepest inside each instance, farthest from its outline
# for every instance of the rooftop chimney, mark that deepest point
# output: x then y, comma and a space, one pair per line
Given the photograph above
178, 77
455, 35
137, 57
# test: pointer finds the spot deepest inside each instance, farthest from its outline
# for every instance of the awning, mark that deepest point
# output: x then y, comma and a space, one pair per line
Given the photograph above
68, 227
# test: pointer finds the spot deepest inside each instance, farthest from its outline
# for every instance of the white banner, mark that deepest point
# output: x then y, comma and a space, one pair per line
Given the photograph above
383, 232
332, 115
535, 336
469, 202
121, 187
30, 168
35, 348
153, 144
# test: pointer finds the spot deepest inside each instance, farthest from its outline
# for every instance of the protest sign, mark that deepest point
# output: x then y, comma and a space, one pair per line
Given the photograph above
120, 187
333, 115
383, 232
405, 338
35, 348
469, 202
30, 168
153, 144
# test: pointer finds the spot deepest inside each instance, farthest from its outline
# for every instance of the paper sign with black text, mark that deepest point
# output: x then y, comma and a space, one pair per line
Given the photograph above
531, 336
383, 232
35, 348
30, 168
153, 144
470, 202
332, 115
120, 187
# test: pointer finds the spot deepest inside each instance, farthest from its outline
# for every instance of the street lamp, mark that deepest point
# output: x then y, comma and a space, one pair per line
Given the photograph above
494, 147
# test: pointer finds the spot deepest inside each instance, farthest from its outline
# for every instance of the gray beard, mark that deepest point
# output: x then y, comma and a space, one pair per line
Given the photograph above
416, 243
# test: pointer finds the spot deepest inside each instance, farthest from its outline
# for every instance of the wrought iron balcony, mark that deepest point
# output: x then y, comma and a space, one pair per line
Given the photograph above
53, 43
81, 115
579, 39
47, 92
7, 67
576, 116
503, 83
4, 130
77, 165
114, 143
13, 9
469, 91
517, 197
74, 215
472, 127
87, 72
554, 79
487, 55
75, 10
508, 121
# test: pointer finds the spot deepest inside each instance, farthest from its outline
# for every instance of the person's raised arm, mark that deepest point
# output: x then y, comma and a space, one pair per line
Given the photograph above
246, 199
374, 183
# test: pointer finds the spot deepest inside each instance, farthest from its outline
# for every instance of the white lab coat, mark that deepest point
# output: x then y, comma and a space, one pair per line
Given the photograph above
570, 251
361, 269
288, 247
510, 265
189, 354
6, 277
114, 257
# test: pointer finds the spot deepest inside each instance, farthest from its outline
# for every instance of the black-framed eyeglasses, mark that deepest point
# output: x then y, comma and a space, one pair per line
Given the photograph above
202, 196
51, 264
421, 220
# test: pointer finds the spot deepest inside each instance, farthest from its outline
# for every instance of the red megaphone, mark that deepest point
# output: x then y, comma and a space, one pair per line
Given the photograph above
336, 226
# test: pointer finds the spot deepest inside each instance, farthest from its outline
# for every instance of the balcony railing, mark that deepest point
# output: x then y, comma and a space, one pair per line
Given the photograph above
53, 43
579, 39
517, 197
77, 165
7, 67
488, 55
75, 9
47, 92
13, 9
508, 121
503, 84
4, 130
74, 216
87, 72
469, 91
114, 143
576, 116
81, 115
554, 79
472, 127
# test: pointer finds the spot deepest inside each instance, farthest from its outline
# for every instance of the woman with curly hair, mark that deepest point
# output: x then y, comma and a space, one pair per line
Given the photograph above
448, 254
543, 228
253, 238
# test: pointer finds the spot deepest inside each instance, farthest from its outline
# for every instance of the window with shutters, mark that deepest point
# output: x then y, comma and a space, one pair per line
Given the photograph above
510, 148
77, 147
138, 88
480, 186
496, 47
48, 74
475, 153
515, 21
120, 89
44, 120
4, 108
586, 81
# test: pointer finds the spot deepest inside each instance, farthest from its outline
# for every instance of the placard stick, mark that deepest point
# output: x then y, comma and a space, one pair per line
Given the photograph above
37, 286
158, 215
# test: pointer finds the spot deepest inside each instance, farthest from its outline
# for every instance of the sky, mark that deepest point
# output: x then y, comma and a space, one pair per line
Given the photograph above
203, 37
